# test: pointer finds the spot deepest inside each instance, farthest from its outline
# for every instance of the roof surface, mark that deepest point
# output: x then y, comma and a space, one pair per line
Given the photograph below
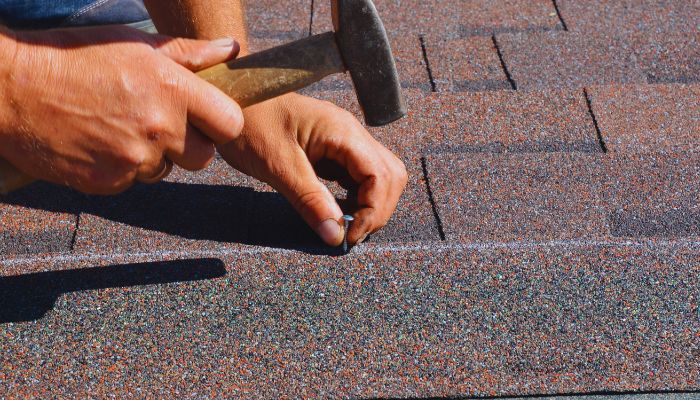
548, 242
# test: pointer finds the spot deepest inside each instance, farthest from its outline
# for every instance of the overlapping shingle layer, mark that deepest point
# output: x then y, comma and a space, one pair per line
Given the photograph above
548, 241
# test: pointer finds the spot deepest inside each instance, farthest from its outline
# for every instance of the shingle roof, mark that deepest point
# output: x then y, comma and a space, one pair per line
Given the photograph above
547, 243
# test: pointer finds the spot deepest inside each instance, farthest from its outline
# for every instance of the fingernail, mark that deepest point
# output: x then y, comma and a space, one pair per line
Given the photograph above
329, 230
223, 42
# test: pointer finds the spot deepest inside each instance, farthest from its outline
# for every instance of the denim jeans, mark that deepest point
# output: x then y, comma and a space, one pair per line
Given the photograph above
45, 14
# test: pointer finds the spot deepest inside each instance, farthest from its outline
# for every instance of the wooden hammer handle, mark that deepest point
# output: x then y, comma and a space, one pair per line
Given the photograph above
248, 80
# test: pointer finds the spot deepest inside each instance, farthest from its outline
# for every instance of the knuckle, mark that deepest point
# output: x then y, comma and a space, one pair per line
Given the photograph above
233, 117
236, 121
309, 201
348, 118
373, 224
122, 171
179, 44
170, 81
130, 158
325, 105
340, 114
377, 221
156, 125
156, 40
336, 109
384, 172
191, 58
400, 171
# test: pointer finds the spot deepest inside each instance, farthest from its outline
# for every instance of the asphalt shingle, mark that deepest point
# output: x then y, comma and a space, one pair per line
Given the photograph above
560, 196
207, 209
465, 64
282, 20
668, 58
509, 121
629, 16
455, 19
653, 195
570, 255
648, 118
31, 224
534, 197
404, 17
495, 121
488, 17
568, 60
377, 324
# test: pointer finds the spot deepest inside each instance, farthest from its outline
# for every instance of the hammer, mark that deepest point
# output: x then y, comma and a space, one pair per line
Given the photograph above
358, 45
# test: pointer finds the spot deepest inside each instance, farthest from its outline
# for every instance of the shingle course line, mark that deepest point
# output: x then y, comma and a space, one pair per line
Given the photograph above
370, 249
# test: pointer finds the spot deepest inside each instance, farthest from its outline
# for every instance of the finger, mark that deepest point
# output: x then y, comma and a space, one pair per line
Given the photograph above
380, 176
212, 112
196, 55
388, 185
156, 175
310, 198
193, 151
372, 213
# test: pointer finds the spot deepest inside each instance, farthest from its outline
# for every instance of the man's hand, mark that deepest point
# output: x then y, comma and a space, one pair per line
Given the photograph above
98, 108
289, 141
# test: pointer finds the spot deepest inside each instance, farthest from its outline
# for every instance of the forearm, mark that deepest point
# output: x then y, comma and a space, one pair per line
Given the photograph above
8, 49
201, 19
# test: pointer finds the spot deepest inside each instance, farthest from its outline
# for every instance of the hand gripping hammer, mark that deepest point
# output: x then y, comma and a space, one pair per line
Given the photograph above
359, 45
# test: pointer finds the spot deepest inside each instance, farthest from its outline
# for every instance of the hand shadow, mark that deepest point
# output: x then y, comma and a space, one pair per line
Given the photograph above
219, 213
29, 297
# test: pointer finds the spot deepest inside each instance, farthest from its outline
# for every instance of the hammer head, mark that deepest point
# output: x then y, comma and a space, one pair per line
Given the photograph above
364, 47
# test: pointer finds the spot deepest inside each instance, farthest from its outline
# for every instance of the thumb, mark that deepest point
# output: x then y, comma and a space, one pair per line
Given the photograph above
312, 200
196, 55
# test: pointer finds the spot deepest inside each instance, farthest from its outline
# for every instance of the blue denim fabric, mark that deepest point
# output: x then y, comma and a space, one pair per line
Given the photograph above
44, 14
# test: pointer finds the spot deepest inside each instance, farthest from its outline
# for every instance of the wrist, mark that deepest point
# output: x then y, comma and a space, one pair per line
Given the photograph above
8, 53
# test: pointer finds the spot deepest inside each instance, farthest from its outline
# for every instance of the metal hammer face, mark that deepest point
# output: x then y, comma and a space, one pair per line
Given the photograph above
366, 52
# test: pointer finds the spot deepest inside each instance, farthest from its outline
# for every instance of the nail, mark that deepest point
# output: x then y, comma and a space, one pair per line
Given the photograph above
347, 219
223, 42
329, 230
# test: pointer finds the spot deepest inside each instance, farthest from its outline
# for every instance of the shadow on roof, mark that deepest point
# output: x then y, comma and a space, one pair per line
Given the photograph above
219, 213
29, 297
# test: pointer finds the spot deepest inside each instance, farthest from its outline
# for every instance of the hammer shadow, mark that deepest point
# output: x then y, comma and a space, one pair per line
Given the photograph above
29, 297
203, 212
